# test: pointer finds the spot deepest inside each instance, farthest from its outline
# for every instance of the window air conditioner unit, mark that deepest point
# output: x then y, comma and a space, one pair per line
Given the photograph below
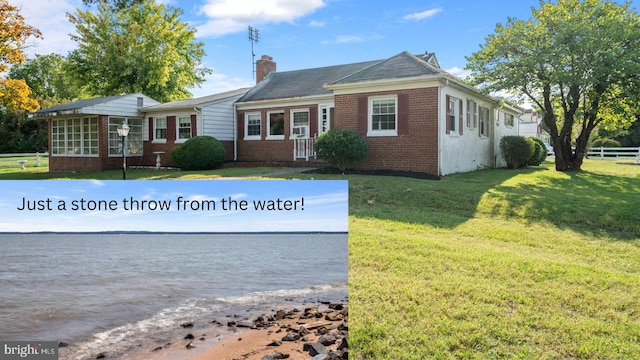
299, 131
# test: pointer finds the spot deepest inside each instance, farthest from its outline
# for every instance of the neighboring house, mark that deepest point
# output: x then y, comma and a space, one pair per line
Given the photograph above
171, 124
84, 137
83, 134
531, 125
413, 115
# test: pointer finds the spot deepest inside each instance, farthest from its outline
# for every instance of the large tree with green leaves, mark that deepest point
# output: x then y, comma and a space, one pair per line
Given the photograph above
578, 61
142, 48
47, 77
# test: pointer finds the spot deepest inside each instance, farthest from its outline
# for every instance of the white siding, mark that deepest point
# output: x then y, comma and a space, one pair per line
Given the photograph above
217, 119
124, 106
466, 152
500, 130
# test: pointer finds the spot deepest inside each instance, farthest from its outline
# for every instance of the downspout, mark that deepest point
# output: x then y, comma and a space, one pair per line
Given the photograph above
440, 136
235, 132
195, 108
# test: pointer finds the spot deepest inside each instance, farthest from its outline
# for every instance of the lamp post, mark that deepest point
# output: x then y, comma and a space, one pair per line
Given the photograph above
124, 131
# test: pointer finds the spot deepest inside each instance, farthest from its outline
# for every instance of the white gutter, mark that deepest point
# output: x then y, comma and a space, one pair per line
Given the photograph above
235, 132
195, 108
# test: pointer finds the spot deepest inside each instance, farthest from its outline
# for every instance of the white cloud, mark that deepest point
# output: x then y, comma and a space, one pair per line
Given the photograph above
231, 16
315, 23
52, 21
422, 15
218, 83
459, 72
345, 39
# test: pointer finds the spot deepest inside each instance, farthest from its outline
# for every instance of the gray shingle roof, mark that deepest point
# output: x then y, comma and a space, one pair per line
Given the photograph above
403, 65
300, 83
79, 104
190, 103
310, 82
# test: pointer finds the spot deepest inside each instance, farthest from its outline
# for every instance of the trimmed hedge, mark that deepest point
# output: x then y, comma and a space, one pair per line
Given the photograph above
341, 148
605, 142
516, 150
540, 152
199, 153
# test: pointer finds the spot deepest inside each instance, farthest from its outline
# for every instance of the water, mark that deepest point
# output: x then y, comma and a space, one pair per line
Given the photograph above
114, 292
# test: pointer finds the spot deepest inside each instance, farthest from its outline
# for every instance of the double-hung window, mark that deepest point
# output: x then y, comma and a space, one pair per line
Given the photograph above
452, 115
252, 122
472, 113
508, 120
134, 138
184, 128
383, 116
300, 123
483, 128
160, 134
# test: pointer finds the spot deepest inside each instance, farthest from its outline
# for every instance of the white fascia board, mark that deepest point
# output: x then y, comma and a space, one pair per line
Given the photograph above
397, 84
282, 103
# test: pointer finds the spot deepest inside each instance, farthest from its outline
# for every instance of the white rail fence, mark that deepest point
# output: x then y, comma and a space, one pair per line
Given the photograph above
610, 152
303, 148
24, 159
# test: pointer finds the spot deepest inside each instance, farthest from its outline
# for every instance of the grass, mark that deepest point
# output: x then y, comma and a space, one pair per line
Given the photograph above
491, 264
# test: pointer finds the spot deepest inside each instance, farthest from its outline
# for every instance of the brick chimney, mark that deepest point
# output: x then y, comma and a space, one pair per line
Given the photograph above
264, 66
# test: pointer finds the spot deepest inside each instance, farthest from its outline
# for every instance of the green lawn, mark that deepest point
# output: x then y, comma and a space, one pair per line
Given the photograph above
530, 264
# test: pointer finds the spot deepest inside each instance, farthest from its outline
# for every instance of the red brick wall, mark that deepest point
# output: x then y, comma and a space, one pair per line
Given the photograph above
270, 150
417, 150
105, 162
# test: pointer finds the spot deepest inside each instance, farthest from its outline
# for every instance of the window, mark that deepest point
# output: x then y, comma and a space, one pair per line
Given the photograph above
472, 113
508, 120
300, 123
75, 137
140, 102
276, 126
134, 139
160, 129
452, 115
383, 118
483, 129
252, 123
184, 128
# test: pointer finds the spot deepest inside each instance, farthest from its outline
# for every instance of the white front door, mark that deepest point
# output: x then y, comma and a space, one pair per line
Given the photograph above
325, 117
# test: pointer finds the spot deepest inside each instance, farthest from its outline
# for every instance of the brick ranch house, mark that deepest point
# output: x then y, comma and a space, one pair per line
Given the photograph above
83, 134
414, 116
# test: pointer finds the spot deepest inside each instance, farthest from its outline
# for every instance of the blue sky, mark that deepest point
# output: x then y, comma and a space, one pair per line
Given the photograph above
302, 34
322, 206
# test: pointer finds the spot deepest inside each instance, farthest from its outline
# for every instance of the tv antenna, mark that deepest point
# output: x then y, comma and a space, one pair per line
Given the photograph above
254, 38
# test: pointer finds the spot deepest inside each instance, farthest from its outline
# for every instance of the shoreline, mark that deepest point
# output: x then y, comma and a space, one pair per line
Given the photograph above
293, 332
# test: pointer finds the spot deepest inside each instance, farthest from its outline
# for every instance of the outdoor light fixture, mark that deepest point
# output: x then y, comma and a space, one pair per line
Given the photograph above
124, 131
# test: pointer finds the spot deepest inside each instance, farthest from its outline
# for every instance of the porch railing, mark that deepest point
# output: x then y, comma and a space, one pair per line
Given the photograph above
303, 148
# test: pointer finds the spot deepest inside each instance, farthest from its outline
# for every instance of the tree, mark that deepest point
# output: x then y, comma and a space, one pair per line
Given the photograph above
577, 61
143, 48
117, 4
13, 35
48, 79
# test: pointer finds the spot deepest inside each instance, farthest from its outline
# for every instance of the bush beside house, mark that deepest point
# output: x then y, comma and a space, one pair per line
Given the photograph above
516, 150
341, 148
199, 153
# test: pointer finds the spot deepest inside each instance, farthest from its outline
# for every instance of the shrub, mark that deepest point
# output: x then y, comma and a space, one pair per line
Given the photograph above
341, 148
198, 153
516, 150
539, 154
605, 142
